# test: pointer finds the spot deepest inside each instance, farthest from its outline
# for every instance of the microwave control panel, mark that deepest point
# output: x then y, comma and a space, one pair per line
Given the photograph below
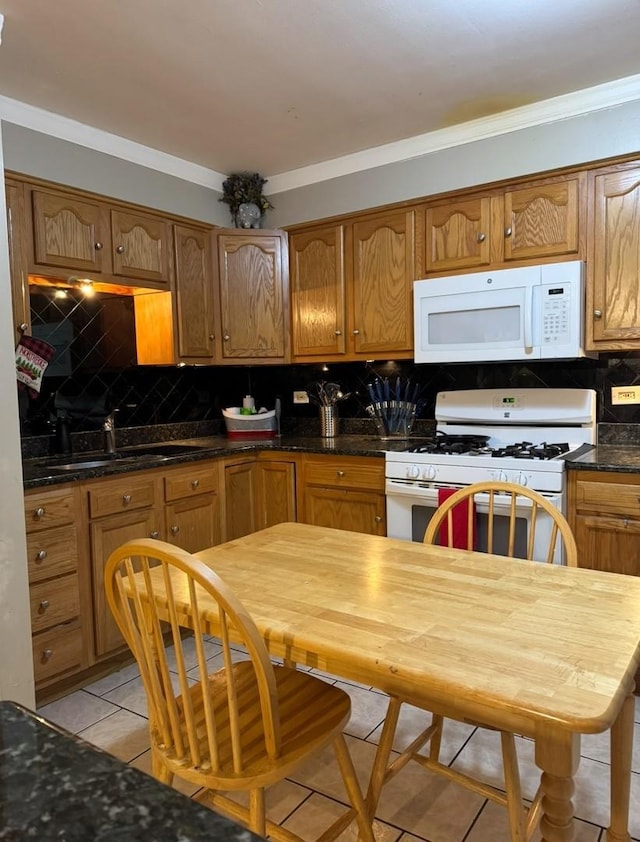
556, 315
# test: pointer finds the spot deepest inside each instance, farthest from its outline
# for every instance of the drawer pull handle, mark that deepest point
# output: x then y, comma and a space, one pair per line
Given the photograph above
46, 654
340, 473
154, 534
41, 555
126, 499
44, 604
39, 512
378, 519
175, 530
195, 483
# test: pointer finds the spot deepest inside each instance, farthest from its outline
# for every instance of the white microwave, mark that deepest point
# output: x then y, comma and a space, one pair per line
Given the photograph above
529, 313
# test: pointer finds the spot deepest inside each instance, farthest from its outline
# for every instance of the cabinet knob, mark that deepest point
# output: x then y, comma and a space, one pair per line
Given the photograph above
175, 530
44, 604
597, 314
508, 232
98, 246
340, 473
46, 654
481, 237
39, 512
195, 483
154, 534
41, 555
23, 328
120, 250
378, 519
338, 333
212, 336
126, 499
355, 332
226, 337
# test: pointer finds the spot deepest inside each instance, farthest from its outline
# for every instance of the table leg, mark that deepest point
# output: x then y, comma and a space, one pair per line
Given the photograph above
621, 751
557, 755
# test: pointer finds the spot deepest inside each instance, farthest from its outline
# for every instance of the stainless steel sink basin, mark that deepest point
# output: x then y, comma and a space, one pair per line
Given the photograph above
81, 464
163, 450
88, 461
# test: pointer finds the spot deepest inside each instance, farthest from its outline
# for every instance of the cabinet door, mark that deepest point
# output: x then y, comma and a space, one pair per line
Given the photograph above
317, 272
613, 293
16, 229
239, 496
542, 220
194, 524
106, 535
359, 511
608, 543
458, 235
383, 275
193, 294
141, 247
253, 297
276, 493
67, 232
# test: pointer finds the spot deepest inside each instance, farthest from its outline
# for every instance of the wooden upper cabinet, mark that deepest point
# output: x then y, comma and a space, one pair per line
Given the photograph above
141, 247
458, 235
194, 308
542, 221
16, 229
538, 220
68, 232
613, 274
253, 295
317, 276
382, 289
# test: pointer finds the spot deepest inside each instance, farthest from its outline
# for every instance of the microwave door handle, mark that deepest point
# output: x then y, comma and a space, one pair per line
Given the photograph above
528, 318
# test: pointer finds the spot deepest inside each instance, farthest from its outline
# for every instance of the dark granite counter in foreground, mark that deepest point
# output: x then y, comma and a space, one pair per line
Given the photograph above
608, 457
56, 787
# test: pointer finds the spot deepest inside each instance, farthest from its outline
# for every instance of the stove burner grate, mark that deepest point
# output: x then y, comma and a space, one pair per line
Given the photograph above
527, 450
476, 445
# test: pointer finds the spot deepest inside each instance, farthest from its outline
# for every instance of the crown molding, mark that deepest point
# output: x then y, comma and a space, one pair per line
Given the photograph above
540, 113
537, 114
31, 117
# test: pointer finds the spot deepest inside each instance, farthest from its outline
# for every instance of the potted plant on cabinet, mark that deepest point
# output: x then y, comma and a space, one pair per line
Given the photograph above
243, 193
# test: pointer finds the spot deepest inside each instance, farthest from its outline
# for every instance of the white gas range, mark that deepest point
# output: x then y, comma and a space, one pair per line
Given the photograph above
513, 435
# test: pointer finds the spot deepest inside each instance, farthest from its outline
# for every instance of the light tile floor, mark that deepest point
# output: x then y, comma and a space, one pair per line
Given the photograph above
415, 806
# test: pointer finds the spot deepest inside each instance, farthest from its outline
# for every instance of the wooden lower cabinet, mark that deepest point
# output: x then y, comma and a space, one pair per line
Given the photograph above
604, 514
58, 585
275, 490
192, 507
344, 493
240, 498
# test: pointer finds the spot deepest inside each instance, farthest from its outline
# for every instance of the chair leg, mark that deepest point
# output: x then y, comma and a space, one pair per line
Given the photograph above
515, 806
158, 769
381, 760
257, 815
437, 721
363, 820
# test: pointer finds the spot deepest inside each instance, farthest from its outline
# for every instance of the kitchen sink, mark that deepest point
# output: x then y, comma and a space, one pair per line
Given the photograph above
162, 450
89, 461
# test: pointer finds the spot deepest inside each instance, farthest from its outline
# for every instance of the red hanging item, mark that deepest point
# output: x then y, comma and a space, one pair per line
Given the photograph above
459, 522
32, 358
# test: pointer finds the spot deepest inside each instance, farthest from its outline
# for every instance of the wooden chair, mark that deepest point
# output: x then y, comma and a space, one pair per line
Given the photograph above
522, 820
241, 728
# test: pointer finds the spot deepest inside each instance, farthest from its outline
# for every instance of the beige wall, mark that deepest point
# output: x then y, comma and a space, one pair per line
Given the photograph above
16, 670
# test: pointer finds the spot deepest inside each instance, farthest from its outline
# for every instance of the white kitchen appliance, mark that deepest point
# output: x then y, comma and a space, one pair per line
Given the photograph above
529, 313
510, 435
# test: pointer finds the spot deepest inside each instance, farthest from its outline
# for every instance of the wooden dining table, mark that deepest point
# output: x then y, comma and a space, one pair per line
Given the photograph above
541, 650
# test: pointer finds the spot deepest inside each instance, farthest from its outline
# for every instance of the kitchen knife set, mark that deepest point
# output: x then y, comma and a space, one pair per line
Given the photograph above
393, 408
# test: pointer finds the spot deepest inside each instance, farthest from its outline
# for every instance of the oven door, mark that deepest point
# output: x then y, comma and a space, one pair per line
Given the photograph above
410, 507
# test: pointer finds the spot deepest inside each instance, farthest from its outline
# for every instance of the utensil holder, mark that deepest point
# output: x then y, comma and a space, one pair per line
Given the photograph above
328, 421
393, 419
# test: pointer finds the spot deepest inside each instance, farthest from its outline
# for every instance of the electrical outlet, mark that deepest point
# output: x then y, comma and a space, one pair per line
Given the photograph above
300, 396
625, 394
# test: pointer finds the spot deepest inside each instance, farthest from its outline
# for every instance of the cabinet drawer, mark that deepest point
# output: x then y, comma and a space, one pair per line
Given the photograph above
122, 496
54, 602
52, 553
57, 650
186, 483
610, 497
346, 473
52, 508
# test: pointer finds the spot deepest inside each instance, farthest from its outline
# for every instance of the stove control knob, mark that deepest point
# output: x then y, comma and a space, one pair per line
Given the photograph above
429, 472
413, 472
503, 476
522, 479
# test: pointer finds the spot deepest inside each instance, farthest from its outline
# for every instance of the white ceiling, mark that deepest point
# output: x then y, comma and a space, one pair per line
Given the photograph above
276, 85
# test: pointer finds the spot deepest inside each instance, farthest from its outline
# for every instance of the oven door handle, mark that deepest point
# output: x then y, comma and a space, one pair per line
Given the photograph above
426, 496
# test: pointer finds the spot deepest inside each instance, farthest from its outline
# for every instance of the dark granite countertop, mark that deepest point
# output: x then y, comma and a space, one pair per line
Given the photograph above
608, 457
56, 786
42, 472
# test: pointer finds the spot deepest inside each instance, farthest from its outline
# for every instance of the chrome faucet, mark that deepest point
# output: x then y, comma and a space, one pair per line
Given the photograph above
109, 433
